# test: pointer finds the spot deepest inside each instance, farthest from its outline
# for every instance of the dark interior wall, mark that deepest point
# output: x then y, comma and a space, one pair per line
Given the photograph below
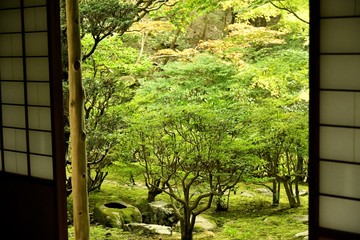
334, 36
27, 209
31, 207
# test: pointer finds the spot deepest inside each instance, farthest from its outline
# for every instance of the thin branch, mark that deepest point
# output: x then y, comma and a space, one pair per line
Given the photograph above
208, 205
199, 198
290, 11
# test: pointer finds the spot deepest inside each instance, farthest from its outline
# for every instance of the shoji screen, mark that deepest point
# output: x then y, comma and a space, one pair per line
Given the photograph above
31, 130
335, 119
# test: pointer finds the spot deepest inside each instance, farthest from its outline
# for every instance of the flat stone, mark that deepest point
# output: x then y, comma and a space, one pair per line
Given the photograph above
203, 224
302, 218
148, 228
302, 234
264, 191
302, 192
160, 213
246, 194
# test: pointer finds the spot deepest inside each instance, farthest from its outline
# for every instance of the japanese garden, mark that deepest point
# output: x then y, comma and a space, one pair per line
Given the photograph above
196, 118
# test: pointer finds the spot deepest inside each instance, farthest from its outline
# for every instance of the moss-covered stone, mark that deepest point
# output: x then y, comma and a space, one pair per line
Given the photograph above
116, 214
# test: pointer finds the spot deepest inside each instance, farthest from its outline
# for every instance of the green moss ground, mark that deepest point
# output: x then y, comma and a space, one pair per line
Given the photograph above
247, 218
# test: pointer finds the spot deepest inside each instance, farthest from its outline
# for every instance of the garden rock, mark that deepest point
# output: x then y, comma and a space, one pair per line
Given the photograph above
264, 191
148, 229
116, 214
302, 218
160, 213
302, 192
246, 194
202, 224
303, 235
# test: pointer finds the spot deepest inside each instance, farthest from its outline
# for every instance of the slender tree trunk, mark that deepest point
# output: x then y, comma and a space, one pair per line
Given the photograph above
300, 168
204, 30
187, 225
154, 189
297, 189
221, 203
289, 193
173, 42
300, 175
275, 192
143, 40
152, 193
77, 133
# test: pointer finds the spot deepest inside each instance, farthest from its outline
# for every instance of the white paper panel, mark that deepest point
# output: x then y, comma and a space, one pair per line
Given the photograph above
12, 92
357, 109
332, 8
36, 44
13, 116
12, 18
339, 214
340, 35
15, 162
41, 167
356, 146
337, 108
14, 139
340, 179
35, 19
337, 143
39, 118
339, 71
11, 69
31, 3
10, 45
37, 69
40, 142
9, 4
38, 94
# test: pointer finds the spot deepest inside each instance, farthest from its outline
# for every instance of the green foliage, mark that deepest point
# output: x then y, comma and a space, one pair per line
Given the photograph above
110, 79
284, 78
235, 101
205, 81
246, 44
199, 140
188, 136
250, 10
278, 93
184, 12
101, 17
114, 58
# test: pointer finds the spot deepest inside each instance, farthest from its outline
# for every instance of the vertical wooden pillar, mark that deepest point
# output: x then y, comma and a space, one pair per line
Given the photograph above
77, 131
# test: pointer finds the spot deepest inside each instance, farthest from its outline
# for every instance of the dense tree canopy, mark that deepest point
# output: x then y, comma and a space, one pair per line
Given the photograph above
201, 94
